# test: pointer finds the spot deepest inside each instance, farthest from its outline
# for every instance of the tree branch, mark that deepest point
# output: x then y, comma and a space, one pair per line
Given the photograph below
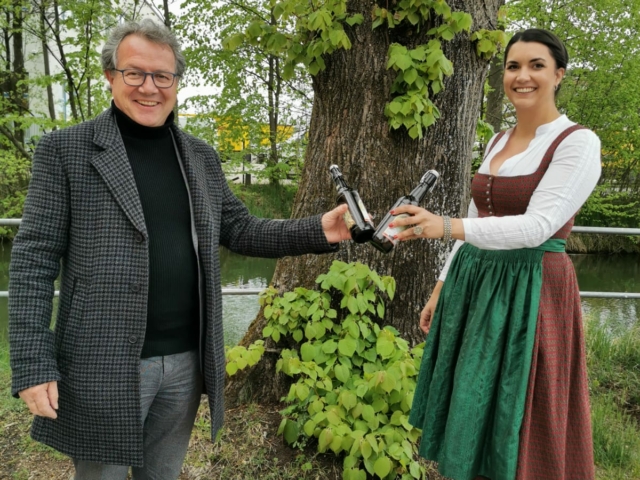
7, 133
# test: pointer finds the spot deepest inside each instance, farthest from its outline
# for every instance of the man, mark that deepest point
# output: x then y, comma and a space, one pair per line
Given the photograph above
135, 210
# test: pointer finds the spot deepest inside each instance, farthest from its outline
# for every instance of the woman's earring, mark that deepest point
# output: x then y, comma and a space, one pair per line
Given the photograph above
555, 87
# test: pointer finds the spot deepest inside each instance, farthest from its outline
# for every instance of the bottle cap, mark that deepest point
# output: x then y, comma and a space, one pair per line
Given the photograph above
429, 174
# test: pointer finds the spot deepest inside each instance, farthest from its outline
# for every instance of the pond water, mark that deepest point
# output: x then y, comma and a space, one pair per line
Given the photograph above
611, 273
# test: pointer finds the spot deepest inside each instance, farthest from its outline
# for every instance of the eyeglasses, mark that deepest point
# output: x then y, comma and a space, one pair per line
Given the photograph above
136, 78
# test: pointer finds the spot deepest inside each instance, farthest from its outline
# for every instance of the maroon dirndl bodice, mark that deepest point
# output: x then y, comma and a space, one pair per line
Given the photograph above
555, 437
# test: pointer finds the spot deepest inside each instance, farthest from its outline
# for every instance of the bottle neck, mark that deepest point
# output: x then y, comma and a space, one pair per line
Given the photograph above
424, 187
419, 192
339, 180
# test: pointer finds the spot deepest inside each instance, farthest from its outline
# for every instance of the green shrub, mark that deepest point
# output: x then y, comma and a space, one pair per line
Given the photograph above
14, 178
607, 208
354, 381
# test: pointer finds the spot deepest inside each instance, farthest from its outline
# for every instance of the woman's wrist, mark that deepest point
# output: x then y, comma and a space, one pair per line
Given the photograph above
457, 229
446, 229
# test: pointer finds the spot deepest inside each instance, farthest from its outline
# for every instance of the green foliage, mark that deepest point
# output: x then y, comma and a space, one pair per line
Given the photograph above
14, 178
302, 32
354, 381
613, 365
421, 70
489, 42
606, 208
305, 33
266, 201
484, 132
418, 70
239, 358
260, 106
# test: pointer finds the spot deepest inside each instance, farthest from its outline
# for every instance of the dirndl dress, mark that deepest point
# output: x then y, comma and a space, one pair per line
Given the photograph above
502, 391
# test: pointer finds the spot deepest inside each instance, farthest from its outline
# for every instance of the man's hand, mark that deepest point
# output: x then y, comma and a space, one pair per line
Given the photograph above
42, 399
333, 225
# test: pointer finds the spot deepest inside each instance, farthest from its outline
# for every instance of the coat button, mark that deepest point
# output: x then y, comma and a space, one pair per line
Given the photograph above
139, 237
132, 339
135, 287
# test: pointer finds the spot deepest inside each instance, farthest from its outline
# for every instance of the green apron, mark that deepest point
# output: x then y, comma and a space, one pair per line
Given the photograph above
470, 397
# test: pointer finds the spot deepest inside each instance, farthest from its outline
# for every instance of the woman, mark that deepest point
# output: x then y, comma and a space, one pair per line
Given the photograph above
502, 391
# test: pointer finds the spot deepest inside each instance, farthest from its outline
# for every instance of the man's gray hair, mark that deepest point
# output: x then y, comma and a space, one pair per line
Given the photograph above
147, 29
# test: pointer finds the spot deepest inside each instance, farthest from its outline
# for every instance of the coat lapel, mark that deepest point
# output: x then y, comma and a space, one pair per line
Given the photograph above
196, 177
114, 167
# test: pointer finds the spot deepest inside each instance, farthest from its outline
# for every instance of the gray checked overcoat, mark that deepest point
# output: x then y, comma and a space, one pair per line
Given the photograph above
83, 213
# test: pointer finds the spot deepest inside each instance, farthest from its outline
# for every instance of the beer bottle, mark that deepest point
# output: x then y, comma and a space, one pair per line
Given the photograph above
357, 219
383, 237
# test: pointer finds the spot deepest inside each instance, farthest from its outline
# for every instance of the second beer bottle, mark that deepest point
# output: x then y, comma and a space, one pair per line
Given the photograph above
357, 219
383, 237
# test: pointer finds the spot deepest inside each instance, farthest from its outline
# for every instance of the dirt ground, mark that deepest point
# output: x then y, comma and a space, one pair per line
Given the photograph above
248, 449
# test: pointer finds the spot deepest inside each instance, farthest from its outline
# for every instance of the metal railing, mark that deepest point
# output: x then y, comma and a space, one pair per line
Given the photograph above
256, 291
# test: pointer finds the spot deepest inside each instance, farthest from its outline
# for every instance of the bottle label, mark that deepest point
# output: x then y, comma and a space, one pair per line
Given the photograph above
365, 214
390, 232
350, 222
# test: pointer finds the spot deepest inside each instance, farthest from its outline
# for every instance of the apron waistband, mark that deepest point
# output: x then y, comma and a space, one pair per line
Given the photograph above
556, 245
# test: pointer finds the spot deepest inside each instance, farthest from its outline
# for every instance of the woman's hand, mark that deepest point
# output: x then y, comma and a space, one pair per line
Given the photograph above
427, 312
430, 225
422, 223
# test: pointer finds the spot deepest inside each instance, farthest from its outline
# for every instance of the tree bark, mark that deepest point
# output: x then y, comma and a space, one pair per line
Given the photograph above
496, 95
348, 127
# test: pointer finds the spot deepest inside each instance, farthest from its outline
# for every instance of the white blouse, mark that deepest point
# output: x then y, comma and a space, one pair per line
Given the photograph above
571, 177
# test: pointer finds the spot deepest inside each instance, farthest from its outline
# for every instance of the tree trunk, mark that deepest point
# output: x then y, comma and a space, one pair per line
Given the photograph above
167, 15
71, 86
45, 59
348, 127
273, 90
496, 95
19, 89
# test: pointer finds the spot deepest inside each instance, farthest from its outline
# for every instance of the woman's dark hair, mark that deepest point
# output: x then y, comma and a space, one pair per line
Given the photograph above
553, 43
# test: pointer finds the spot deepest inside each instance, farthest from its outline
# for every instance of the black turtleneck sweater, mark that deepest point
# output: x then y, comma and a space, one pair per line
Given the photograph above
172, 307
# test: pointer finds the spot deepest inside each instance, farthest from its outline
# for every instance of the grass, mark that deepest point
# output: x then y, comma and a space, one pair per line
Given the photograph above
249, 448
266, 201
613, 364
18, 452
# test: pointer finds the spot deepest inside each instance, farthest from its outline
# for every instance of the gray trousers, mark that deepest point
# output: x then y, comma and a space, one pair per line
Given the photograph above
170, 390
